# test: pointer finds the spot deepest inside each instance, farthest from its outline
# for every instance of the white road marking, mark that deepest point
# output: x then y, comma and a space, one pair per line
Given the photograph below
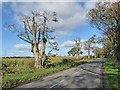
93, 73
52, 76
76, 72
61, 81
47, 77
55, 84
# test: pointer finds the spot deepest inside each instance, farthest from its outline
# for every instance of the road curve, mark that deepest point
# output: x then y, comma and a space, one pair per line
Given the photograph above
87, 75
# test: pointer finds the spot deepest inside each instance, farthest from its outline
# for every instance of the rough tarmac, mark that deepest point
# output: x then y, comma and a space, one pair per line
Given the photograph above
87, 75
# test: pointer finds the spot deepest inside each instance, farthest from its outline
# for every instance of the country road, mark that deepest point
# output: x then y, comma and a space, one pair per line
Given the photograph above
87, 75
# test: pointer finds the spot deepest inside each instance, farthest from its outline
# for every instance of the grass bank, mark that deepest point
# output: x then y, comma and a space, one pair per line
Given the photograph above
111, 75
21, 70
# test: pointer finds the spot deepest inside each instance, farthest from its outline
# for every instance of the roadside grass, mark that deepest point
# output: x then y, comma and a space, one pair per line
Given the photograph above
16, 79
111, 75
21, 70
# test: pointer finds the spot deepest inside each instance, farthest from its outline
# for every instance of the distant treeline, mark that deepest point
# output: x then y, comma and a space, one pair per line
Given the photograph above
48, 56
18, 57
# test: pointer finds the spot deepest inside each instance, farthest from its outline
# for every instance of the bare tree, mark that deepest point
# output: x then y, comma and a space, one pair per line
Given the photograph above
36, 32
78, 47
88, 45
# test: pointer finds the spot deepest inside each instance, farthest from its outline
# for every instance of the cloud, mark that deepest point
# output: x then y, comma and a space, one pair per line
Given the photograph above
70, 43
98, 45
89, 5
59, 0
22, 47
41, 0
71, 15
21, 53
61, 33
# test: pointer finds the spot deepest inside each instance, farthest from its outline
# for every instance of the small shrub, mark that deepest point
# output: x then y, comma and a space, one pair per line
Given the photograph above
64, 61
50, 65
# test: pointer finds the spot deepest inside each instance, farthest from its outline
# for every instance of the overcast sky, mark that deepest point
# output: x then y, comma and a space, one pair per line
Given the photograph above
72, 24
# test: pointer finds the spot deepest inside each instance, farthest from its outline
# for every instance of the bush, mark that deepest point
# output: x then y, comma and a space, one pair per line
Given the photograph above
50, 66
65, 61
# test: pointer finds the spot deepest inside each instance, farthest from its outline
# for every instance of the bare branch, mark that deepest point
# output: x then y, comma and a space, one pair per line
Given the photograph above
12, 28
28, 24
38, 37
26, 40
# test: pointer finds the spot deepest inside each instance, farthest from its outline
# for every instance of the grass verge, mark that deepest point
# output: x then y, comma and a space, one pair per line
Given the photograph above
111, 75
22, 71
10, 81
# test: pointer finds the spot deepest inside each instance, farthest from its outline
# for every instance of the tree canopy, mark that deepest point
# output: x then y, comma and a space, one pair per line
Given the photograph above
106, 18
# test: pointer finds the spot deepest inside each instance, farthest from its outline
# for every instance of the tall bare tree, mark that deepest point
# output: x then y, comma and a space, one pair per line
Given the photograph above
106, 18
78, 47
36, 32
88, 45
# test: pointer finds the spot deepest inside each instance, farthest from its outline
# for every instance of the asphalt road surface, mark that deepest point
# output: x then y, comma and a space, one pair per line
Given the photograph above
87, 75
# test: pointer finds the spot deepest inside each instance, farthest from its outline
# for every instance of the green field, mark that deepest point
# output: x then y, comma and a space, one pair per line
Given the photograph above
21, 70
111, 75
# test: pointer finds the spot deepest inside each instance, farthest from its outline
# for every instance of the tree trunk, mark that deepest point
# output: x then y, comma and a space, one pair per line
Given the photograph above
36, 56
118, 45
88, 53
78, 53
35, 48
42, 52
117, 51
